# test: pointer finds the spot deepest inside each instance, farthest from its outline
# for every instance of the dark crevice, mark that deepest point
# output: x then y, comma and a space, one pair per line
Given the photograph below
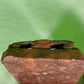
10, 46
60, 46
26, 46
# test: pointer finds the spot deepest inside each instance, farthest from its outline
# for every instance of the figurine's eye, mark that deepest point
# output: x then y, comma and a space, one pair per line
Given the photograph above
26, 46
58, 46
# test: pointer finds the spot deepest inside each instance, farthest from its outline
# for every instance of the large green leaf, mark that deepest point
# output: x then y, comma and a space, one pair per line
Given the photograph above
22, 20
81, 80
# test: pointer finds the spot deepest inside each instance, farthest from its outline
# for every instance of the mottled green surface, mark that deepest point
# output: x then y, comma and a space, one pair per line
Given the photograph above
22, 20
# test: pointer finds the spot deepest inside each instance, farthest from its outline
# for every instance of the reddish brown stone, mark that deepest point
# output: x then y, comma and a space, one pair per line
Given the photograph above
51, 62
42, 41
43, 44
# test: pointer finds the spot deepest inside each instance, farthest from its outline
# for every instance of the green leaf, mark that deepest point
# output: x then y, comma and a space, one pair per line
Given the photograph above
23, 20
81, 80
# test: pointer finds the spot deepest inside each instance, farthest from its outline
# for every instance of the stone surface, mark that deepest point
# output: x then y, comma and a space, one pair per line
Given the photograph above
47, 71
57, 63
43, 44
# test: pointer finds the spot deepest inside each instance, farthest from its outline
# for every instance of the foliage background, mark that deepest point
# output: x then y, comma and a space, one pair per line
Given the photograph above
22, 20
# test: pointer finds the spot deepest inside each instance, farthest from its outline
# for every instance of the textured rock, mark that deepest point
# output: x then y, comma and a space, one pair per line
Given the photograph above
44, 61
43, 44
